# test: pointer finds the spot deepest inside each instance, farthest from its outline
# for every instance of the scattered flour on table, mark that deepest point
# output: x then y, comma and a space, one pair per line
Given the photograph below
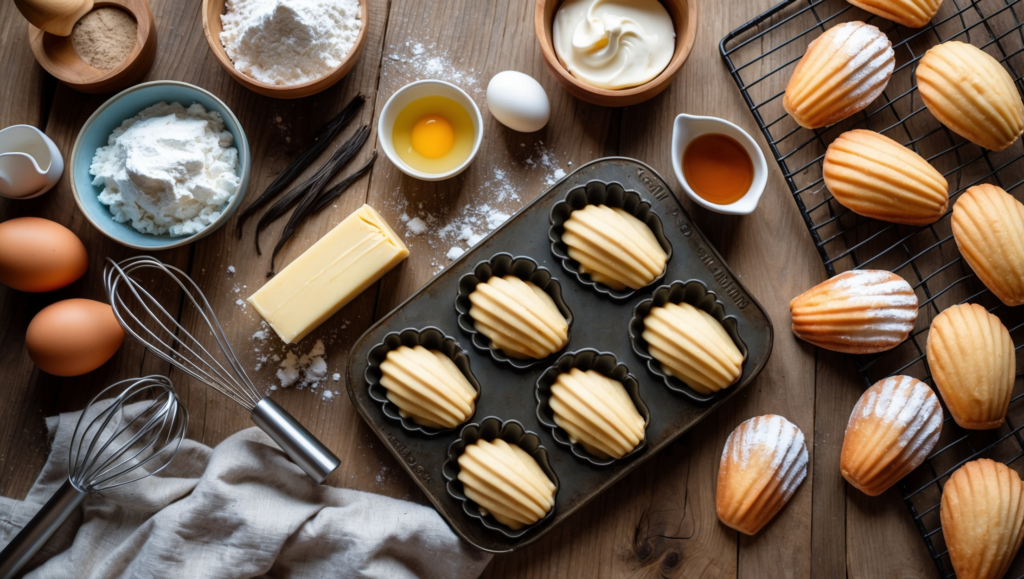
231, 269
456, 232
168, 170
425, 61
288, 42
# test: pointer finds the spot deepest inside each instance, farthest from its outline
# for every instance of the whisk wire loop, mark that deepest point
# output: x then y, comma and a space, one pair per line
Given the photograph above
165, 336
110, 449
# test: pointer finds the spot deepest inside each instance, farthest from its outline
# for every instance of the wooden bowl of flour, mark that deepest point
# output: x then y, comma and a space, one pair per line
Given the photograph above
212, 11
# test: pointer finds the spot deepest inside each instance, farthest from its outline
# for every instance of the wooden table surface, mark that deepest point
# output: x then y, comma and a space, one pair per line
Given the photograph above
660, 520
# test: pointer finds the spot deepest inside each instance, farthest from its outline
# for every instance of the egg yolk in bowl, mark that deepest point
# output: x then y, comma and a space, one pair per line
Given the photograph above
433, 134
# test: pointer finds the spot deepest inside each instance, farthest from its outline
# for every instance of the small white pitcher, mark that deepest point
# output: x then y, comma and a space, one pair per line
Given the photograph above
30, 163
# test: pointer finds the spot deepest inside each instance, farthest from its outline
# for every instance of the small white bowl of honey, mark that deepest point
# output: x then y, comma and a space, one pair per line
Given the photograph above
718, 164
430, 130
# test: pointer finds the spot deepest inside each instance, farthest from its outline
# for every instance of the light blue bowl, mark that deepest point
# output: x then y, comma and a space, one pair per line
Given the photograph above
97, 129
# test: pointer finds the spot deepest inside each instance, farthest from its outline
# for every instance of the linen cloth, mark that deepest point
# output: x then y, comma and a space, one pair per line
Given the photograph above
239, 510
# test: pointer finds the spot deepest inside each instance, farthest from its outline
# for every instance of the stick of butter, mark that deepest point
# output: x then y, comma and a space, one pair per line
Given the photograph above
321, 281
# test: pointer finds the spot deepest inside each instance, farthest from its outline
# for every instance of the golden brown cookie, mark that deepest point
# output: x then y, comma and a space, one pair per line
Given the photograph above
972, 361
893, 427
862, 311
910, 13
877, 177
613, 247
988, 225
518, 317
972, 94
842, 71
596, 412
982, 516
506, 483
763, 463
427, 387
693, 347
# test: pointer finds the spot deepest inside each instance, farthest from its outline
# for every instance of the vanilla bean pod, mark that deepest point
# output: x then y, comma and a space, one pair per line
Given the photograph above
300, 163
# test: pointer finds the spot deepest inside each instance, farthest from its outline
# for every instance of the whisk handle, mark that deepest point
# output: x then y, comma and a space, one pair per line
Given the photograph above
39, 529
299, 444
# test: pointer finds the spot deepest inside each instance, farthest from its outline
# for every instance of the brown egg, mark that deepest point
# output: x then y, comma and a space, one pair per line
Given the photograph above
39, 255
72, 337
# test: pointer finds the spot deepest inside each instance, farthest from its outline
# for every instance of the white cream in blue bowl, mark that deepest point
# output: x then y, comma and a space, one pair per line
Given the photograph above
160, 165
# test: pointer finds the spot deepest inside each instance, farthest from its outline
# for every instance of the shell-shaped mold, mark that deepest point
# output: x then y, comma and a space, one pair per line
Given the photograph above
856, 312
431, 339
972, 94
486, 317
591, 415
910, 13
982, 516
988, 225
892, 429
877, 177
702, 351
597, 242
763, 463
972, 362
842, 71
470, 486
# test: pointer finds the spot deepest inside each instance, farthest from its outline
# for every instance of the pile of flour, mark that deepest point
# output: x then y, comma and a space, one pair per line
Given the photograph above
287, 42
168, 169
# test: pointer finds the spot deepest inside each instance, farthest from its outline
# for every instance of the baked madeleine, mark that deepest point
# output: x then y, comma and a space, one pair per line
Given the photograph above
842, 71
988, 225
972, 94
874, 176
506, 483
982, 516
763, 463
613, 247
910, 13
973, 364
892, 429
863, 311
693, 347
427, 387
597, 413
519, 318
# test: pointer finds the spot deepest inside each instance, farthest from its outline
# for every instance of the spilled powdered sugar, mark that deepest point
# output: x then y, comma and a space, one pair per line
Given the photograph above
294, 369
425, 61
782, 440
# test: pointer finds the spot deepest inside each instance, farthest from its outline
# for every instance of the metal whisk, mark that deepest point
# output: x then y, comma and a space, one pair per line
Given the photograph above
149, 322
111, 448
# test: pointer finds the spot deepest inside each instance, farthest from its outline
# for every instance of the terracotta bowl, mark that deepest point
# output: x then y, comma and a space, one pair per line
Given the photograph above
212, 11
57, 55
684, 17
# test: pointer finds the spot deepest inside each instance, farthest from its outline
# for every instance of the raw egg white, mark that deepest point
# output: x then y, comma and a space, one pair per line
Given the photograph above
518, 101
39, 255
73, 337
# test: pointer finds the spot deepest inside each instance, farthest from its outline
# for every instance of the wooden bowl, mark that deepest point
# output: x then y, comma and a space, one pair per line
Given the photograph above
212, 11
57, 55
684, 18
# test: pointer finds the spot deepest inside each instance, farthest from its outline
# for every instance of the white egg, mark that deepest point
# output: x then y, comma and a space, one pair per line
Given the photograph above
518, 101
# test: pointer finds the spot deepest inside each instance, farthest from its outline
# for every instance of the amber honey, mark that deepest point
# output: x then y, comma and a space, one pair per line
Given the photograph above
718, 168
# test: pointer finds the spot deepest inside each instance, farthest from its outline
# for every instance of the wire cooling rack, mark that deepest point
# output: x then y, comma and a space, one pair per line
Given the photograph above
761, 56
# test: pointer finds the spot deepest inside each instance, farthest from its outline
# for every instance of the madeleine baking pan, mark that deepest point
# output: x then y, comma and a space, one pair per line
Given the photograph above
600, 322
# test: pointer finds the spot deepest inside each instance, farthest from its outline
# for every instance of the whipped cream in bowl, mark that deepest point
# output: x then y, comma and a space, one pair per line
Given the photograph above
614, 44
160, 165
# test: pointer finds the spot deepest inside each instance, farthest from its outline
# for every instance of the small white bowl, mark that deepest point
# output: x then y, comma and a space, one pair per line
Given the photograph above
688, 128
417, 90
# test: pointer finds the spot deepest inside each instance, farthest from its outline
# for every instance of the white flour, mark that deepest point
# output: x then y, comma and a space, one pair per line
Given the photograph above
288, 42
168, 169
